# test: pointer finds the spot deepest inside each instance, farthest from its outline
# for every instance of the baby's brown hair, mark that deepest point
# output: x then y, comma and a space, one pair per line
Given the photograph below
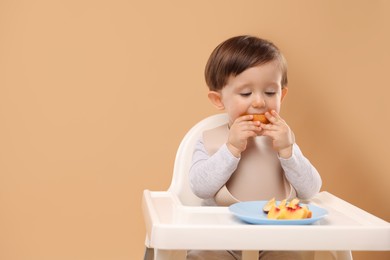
237, 54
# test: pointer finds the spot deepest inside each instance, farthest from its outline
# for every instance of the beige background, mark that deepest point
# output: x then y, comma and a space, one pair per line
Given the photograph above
95, 97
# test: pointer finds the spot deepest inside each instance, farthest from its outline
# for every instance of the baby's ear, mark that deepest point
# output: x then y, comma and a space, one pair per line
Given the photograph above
216, 100
284, 93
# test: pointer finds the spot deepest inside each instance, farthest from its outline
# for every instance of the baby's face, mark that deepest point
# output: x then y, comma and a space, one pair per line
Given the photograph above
254, 91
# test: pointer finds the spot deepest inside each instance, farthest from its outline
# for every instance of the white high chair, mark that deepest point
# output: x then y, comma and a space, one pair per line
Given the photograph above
175, 222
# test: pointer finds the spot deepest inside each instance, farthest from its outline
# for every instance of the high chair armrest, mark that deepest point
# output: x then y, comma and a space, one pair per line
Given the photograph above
158, 207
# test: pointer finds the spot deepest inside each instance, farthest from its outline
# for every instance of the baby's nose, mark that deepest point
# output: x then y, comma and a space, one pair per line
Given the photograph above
258, 101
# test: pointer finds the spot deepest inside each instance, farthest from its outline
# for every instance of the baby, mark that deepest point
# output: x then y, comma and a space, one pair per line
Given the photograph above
246, 159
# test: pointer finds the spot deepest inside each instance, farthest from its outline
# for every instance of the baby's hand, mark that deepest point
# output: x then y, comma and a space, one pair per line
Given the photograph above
280, 133
241, 129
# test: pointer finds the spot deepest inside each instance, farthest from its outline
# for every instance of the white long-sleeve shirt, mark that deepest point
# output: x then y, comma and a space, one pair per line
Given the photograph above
209, 173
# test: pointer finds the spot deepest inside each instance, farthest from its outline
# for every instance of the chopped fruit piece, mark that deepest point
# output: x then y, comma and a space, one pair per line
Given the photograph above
283, 203
260, 118
277, 213
295, 213
271, 203
307, 212
294, 203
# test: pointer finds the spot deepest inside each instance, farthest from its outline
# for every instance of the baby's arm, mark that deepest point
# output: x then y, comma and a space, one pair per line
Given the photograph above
301, 174
209, 173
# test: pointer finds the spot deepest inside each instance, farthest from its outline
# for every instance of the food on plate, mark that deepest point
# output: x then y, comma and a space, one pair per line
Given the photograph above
286, 210
260, 118
271, 203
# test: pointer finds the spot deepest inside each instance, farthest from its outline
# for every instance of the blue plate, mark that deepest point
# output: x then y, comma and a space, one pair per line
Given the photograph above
252, 212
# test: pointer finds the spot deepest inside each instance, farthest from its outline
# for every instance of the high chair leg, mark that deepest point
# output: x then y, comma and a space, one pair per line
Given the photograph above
149, 253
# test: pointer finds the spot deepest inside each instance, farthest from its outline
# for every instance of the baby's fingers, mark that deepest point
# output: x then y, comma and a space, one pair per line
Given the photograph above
274, 117
244, 118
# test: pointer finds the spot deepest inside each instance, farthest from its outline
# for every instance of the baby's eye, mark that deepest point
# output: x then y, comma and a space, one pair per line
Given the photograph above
245, 94
270, 93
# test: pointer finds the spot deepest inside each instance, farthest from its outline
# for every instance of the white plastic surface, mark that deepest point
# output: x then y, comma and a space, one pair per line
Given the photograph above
173, 226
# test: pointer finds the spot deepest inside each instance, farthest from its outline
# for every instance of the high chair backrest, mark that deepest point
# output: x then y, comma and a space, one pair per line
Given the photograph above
180, 184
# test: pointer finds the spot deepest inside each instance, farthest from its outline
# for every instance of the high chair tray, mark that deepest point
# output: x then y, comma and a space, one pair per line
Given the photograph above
173, 226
